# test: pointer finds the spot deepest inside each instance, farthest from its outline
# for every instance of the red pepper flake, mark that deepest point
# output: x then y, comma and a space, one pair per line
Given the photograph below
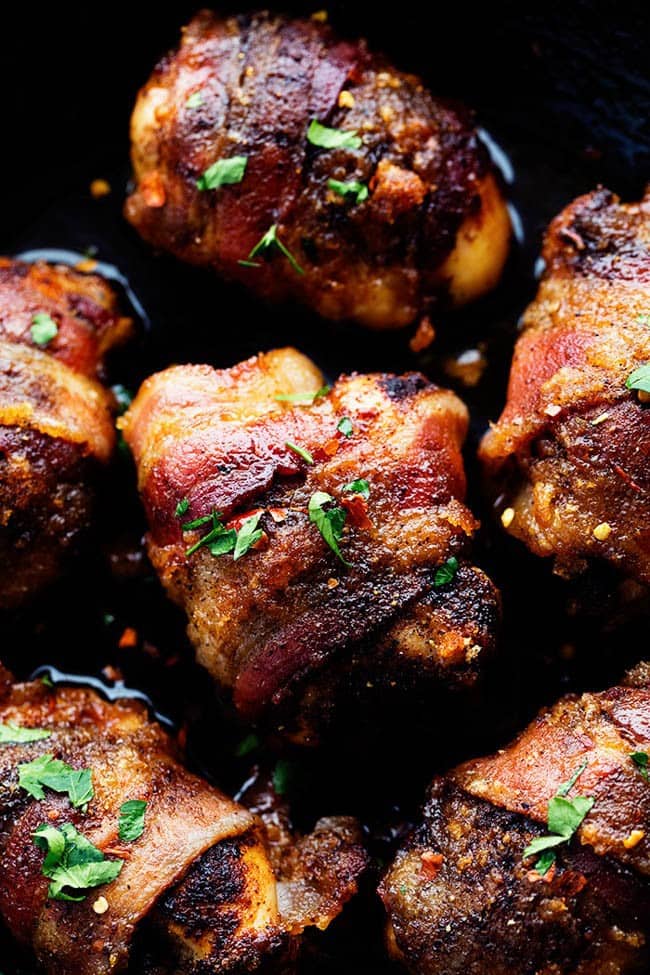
331, 447
424, 335
431, 864
570, 883
278, 515
152, 189
357, 509
261, 543
129, 639
534, 877
626, 477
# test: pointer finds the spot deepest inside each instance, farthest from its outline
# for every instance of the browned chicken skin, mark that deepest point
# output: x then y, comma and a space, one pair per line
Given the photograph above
460, 896
200, 890
290, 626
571, 451
56, 426
429, 221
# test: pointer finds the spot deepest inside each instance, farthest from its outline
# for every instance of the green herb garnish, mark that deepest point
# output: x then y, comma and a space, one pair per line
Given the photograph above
326, 138
301, 451
329, 521
639, 379
640, 759
446, 572
352, 188
360, 486
49, 772
303, 399
345, 427
11, 734
269, 240
123, 397
195, 100
182, 508
72, 862
247, 536
283, 774
43, 329
564, 817
131, 821
247, 745
223, 172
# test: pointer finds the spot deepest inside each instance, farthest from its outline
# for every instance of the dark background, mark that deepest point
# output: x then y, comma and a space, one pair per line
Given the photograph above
564, 89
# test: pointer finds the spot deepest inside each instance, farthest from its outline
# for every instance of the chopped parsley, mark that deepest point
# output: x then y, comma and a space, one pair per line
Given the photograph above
330, 521
195, 100
131, 821
72, 863
43, 329
303, 399
360, 486
564, 817
247, 536
644, 319
326, 138
247, 745
182, 508
301, 451
345, 427
269, 240
352, 188
49, 772
283, 774
640, 379
446, 572
223, 172
221, 540
11, 734
640, 759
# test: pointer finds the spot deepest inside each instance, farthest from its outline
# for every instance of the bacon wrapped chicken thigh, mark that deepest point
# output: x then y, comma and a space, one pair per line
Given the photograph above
113, 855
570, 455
536, 859
317, 539
309, 168
56, 427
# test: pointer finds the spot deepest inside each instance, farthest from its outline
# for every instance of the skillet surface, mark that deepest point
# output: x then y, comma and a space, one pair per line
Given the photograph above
566, 94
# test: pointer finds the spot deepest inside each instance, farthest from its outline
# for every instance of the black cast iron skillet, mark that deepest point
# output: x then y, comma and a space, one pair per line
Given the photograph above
564, 91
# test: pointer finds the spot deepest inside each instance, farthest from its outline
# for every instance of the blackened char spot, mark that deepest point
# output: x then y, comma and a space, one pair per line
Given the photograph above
399, 388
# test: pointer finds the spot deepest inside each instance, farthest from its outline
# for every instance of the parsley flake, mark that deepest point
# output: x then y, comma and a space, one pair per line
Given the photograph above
352, 188
329, 521
564, 817
72, 862
43, 329
446, 572
640, 379
49, 772
247, 536
303, 399
640, 759
269, 240
195, 100
247, 745
131, 821
360, 486
11, 734
326, 138
223, 172
345, 427
123, 397
182, 508
283, 775
220, 539
301, 451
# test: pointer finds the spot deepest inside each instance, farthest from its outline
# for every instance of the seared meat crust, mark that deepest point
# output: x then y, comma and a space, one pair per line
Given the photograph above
56, 428
289, 626
459, 896
199, 887
571, 451
434, 221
